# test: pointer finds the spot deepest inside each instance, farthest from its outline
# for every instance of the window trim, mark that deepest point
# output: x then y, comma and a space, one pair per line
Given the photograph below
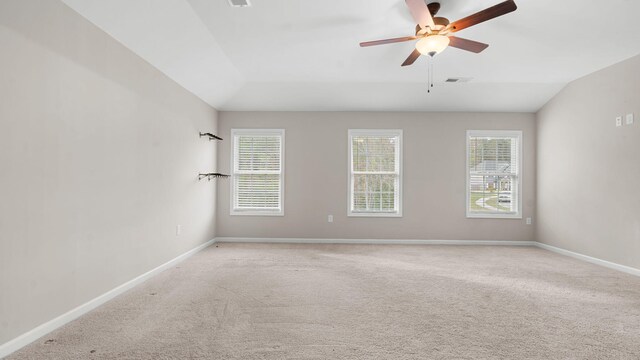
399, 159
518, 134
260, 132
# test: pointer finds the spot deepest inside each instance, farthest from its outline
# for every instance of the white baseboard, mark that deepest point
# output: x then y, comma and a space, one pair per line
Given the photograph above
372, 241
605, 263
36, 333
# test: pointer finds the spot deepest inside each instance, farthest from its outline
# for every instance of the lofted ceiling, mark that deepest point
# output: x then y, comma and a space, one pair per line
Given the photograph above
303, 55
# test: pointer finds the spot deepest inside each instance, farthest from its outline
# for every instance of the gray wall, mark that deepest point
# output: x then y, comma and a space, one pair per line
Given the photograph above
434, 177
98, 159
589, 169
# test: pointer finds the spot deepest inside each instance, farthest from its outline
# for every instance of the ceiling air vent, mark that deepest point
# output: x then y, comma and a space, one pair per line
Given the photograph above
457, 80
239, 3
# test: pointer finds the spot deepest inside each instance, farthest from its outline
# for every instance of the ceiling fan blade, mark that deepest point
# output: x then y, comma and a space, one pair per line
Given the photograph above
466, 44
387, 41
412, 58
421, 14
484, 15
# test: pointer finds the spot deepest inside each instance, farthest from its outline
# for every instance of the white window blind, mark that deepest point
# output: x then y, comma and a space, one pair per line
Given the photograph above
257, 172
375, 172
493, 174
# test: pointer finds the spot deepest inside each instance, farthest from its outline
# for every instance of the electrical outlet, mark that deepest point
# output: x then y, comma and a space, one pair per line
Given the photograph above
528, 221
629, 119
178, 230
330, 218
619, 121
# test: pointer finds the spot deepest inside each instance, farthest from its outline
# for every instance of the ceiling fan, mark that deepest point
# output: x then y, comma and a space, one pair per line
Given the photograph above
434, 33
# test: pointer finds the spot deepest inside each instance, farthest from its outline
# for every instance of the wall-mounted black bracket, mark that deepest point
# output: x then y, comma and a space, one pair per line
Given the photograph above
210, 176
210, 136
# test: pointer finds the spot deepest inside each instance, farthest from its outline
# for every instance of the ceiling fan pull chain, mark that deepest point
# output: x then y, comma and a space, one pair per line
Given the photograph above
432, 72
428, 75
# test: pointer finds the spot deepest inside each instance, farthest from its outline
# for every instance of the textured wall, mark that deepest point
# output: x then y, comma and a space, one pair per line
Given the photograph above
98, 160
434, 177
589, 169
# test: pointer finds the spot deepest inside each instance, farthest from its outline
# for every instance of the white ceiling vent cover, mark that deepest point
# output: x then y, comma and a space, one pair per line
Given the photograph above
239, 3
458, 80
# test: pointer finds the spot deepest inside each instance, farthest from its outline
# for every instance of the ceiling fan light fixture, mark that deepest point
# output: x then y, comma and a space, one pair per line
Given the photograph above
432, 44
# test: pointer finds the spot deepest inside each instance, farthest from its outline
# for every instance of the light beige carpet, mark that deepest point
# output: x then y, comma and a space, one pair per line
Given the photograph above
259, 301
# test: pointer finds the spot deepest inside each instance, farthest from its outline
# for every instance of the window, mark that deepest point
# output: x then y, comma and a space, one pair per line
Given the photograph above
375, 171
494, 168
257, 182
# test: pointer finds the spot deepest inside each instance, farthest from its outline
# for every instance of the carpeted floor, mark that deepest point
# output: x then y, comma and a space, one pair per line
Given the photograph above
277, 301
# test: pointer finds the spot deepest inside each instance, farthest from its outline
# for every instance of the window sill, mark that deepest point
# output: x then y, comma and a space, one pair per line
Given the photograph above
256, 213
514, 216
389, 215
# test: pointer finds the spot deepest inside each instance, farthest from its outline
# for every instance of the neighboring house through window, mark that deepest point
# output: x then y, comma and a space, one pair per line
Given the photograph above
258, 166
494, 168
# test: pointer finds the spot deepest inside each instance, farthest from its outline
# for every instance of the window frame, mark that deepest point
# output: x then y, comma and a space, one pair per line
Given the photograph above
350, 173
518, 135
232, 193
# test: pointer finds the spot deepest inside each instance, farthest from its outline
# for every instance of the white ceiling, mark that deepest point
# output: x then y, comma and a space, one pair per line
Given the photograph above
304, 55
